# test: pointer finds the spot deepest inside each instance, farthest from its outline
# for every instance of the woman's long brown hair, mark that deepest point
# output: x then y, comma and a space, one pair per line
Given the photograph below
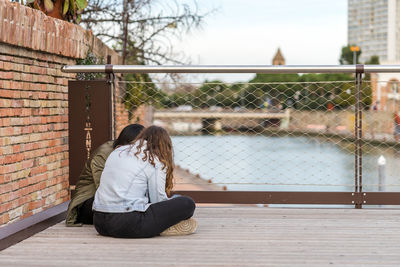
158, 144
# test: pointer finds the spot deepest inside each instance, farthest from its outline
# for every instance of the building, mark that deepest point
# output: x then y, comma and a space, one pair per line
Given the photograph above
374, 26
385, 92
278, 58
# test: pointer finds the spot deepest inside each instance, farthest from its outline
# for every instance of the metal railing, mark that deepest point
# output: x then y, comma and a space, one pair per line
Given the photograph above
320, 111
261, 69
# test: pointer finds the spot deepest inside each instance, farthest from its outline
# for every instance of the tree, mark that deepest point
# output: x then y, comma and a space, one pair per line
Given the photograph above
347, 96
373, 60
141, 30
212, 92
346, 58
275, 88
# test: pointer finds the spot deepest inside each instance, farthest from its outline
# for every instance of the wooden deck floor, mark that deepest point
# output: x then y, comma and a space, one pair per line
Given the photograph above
230, 236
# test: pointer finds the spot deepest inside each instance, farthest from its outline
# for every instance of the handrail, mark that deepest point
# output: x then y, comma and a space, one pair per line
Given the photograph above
261, 69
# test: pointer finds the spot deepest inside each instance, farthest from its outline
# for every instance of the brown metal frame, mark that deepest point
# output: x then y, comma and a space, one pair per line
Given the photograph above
358, 132
113, 102
100, 93
294, 197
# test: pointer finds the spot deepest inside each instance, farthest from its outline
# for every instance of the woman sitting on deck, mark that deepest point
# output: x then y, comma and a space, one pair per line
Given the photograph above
80, 208
132, 201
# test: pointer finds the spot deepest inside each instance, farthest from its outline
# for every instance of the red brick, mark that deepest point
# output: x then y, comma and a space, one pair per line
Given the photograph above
22, 183
4, 218
4, 188
6, 93
36, 204
6, 75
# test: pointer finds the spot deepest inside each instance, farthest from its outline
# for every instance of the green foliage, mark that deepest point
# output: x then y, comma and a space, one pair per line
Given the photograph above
373, 60
268, 78
303, 92
90, 59
346, 57
252, 96
347, 96
140, 90
48, 5
325, 77
213, 87
71, 9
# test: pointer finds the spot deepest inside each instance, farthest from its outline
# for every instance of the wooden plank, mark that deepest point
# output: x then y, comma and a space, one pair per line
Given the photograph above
238, 236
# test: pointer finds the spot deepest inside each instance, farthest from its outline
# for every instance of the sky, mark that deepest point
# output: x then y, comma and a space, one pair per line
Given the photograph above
244, 32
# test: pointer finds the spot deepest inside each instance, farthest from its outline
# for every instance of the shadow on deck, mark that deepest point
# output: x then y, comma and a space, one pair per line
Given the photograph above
229, 236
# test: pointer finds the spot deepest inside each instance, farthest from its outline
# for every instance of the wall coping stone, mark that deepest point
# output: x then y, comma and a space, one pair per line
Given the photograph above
25, 27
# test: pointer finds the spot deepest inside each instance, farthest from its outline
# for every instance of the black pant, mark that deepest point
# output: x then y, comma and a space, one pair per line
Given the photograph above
85, 213
157, 218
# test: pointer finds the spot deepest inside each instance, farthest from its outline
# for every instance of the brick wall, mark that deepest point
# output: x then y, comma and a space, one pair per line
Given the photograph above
34, 108
33, 132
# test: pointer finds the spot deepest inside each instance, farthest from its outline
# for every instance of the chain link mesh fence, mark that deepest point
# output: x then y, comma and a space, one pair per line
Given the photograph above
283, 136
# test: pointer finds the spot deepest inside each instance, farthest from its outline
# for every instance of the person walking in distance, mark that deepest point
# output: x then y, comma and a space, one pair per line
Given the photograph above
397, 126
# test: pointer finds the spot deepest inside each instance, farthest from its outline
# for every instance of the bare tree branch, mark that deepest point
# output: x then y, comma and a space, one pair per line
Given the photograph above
142, 29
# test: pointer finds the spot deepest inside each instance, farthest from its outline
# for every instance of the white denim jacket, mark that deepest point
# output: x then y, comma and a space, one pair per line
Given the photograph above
128, 183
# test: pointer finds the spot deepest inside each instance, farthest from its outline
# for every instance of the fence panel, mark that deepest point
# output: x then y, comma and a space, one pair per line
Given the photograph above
275, 141
290, 136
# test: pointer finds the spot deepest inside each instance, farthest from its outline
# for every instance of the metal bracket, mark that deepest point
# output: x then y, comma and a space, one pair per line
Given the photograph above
109, 70
360, 68
360, 198
357, 198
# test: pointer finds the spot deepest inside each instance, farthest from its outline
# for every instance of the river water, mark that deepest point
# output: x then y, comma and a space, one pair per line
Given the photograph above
259, 162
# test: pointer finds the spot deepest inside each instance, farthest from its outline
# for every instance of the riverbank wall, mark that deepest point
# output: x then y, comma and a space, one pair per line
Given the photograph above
185, 180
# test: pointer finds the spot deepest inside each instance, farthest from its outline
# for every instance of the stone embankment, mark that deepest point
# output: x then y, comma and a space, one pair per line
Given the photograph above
185, 180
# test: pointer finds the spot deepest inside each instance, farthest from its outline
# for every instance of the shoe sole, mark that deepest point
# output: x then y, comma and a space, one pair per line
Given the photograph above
185, 227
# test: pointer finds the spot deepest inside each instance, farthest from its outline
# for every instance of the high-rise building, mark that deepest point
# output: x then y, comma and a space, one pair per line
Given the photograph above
374, 25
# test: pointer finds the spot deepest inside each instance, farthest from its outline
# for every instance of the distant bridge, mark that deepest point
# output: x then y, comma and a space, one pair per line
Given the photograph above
211, 119
221, 115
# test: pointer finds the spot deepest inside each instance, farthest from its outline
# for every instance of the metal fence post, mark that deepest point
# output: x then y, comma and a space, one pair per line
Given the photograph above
111, 81
358, 132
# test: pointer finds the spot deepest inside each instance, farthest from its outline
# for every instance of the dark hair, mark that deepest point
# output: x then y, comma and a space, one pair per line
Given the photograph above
156, 143
128, 134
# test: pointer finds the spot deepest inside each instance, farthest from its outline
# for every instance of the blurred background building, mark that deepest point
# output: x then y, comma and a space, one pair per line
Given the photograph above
278, 58
374, 26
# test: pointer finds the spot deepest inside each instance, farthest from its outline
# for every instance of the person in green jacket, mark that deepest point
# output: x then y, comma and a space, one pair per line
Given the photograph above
80, 208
